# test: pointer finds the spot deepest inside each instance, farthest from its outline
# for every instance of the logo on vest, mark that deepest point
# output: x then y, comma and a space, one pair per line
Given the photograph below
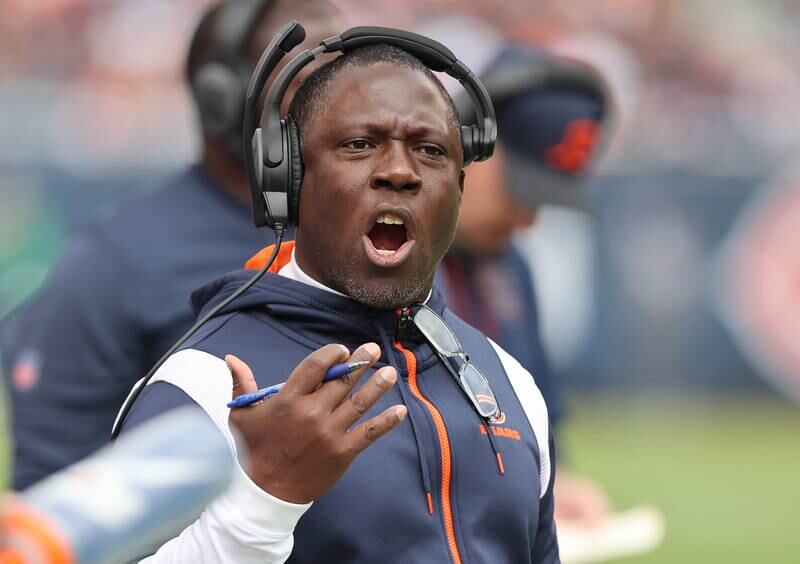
499, 431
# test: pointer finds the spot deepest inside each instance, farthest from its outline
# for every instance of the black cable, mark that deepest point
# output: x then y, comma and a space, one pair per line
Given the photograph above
137, 389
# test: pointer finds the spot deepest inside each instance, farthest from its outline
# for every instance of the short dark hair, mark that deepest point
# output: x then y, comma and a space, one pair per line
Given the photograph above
309, 100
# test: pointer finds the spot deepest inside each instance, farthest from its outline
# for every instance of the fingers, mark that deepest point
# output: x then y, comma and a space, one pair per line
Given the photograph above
370, 431
243, 380
357, 403
305, 378
580, 499
332, 393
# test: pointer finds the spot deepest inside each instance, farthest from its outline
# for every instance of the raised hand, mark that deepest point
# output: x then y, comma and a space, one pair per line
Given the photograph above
302, 439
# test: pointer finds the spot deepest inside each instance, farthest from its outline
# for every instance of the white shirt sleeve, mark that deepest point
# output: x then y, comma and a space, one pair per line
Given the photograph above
244, 524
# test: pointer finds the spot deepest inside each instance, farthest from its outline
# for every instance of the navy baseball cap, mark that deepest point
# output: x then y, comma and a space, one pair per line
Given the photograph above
551, 120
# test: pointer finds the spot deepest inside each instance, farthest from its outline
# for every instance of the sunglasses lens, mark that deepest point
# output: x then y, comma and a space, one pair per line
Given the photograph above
441, 337
436, 331
480, 390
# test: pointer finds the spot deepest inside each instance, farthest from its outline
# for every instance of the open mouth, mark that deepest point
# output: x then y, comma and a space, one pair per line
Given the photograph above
388, 234
388, 242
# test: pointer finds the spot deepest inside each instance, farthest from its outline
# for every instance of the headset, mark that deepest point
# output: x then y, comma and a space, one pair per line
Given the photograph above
220, 83
275, 167
276, 174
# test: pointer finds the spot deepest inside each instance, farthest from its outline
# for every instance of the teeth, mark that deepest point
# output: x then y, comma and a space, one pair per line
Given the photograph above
389, 218
385, 252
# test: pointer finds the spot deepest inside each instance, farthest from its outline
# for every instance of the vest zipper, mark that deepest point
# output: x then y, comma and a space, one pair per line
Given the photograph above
444, 443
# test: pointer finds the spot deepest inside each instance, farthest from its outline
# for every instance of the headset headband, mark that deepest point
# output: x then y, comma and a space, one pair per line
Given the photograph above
436, 57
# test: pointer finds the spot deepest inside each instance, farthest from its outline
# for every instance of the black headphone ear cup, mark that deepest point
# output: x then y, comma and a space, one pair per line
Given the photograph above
295, 172
469, 142
217, 90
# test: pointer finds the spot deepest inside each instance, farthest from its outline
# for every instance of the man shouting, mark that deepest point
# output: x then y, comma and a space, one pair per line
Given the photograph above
442, 454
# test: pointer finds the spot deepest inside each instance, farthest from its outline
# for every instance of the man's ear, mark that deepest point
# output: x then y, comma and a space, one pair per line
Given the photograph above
461, 176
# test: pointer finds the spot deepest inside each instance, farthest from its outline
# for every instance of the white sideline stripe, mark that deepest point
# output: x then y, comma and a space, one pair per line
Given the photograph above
535, 409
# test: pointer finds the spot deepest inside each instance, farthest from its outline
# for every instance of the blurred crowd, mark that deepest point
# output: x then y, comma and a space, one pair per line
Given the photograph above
705, 85
706, 111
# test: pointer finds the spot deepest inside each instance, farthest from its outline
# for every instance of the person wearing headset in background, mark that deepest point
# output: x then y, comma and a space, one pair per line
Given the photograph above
552, 114
116, 299
452, 459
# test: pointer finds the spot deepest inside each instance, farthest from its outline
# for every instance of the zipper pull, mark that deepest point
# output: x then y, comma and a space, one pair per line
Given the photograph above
403, 319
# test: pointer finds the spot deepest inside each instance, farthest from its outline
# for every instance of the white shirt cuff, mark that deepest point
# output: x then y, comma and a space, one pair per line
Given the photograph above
259, 509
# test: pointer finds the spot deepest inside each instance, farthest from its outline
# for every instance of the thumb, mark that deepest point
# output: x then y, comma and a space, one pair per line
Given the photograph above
243, 380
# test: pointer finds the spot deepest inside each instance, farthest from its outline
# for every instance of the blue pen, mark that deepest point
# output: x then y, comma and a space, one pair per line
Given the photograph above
334, 373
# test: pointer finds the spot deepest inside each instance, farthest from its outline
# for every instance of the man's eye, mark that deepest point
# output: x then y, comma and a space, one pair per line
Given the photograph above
357, 144
431, 150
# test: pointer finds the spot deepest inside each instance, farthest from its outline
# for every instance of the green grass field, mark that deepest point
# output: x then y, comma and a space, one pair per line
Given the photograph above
726, 473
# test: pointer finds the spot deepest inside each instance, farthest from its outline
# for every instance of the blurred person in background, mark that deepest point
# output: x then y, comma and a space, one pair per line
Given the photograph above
551, 115
116, 299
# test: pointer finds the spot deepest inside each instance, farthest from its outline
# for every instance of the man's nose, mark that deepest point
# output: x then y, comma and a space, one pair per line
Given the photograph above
396, 170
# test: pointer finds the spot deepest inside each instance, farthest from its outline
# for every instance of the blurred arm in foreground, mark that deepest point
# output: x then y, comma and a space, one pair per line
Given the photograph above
123, 500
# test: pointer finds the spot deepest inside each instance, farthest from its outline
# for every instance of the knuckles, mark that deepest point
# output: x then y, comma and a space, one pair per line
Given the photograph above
372, 431
313, 364
348, 380
303, 429
381, 383
360, 405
